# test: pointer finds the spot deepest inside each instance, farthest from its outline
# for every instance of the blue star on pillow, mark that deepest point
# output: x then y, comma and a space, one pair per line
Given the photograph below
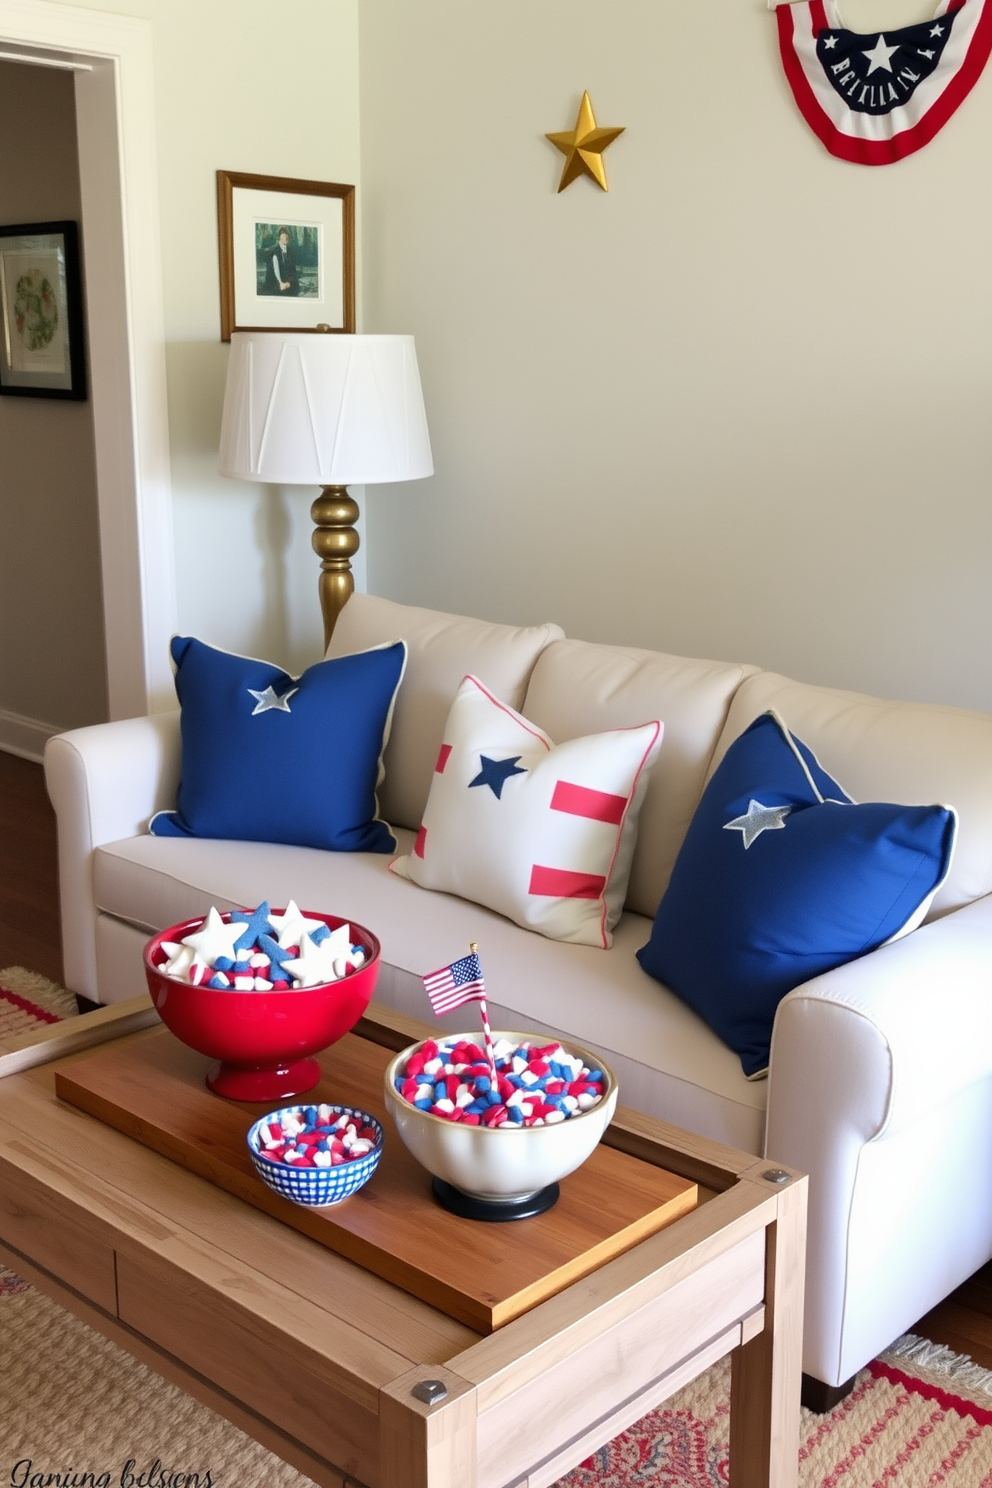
782, 877
495, 773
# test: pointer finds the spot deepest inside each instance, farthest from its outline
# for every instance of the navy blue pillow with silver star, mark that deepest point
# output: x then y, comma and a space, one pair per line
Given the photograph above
267, 757
782, 877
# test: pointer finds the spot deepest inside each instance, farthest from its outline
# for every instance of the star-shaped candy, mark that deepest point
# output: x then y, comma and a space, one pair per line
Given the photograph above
293, 925
256, 923
758, 819
277, 956
269, 699
583, 147
879, 56
316, 962
180, 959
215, 940
495, 773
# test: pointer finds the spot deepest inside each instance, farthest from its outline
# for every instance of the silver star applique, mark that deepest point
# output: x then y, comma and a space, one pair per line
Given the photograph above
271, 699
757, 820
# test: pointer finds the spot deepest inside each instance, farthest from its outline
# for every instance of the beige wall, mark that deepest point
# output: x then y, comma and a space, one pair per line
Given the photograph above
739, 406
52, 663
235, 90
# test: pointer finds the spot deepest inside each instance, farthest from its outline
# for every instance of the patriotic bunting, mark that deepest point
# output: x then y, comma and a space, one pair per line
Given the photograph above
876, 98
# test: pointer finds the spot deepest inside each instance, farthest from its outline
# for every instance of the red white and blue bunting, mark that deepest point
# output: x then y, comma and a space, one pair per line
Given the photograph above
876, 98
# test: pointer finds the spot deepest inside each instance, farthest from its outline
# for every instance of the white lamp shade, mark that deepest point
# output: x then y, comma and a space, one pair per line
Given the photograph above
323, 410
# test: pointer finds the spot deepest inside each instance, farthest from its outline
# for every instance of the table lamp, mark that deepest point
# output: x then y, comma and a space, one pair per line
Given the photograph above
328, 410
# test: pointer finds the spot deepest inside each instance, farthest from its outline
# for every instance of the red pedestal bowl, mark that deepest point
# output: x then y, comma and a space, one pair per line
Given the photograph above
262, 1041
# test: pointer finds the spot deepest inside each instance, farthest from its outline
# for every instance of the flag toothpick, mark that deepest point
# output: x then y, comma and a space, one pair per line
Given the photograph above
451, 986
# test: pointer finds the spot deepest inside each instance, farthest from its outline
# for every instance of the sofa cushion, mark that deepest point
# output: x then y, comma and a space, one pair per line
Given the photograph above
882, 750
782, 877
441, 650
543, 834
580, 688
669, 1064
267, 757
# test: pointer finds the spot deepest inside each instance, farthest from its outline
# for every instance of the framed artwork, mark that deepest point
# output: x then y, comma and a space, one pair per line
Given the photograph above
41, 312
287, 254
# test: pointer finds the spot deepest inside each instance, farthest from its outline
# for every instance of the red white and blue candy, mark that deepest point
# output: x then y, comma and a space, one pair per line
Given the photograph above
535, 1085
257, 950
316, 1137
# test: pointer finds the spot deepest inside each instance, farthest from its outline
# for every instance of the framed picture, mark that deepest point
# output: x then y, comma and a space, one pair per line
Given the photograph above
287, 254
41, 312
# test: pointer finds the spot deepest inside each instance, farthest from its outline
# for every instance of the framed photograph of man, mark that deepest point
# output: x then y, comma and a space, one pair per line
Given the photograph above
41, 312
287, 254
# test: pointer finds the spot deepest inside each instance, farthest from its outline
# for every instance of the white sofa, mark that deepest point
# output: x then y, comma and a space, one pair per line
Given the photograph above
880, 1081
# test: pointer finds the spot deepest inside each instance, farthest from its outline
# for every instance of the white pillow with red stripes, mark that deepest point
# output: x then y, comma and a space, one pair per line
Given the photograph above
541, 833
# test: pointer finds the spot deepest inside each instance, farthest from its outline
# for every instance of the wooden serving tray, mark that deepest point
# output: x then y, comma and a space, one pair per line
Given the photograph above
153, 1089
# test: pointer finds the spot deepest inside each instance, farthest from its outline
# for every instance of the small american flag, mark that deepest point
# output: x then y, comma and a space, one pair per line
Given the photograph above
455, 984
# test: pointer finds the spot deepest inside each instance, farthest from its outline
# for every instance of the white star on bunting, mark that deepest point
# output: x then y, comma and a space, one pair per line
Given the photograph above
879, 56
758, 819
264, 701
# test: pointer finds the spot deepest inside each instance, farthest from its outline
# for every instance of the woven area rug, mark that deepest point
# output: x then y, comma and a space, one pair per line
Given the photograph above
28, 1000
919, 1416
76, 1411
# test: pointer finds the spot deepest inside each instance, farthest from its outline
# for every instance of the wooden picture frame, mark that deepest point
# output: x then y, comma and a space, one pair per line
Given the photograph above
287, 254
41, 312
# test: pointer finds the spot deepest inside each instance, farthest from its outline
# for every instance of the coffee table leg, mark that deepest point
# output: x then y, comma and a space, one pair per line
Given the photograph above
427, 1439
766, 1373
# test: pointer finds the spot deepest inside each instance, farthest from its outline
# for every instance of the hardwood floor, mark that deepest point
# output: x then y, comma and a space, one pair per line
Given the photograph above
964, 1319
29, 936
29, 907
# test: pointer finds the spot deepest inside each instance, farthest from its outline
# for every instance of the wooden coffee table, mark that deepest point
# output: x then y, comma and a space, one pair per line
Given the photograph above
350, 1379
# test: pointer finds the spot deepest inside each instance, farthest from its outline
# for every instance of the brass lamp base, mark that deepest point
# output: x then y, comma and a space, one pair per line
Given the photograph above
335, 542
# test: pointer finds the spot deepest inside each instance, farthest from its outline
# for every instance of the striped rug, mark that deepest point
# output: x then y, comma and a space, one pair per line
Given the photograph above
919, 1416
28, 1000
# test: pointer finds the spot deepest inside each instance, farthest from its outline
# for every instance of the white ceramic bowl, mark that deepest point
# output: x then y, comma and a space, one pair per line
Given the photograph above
506, 1163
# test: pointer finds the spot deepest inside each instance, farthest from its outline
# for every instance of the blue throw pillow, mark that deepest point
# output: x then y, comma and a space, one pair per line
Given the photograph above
782, 877
267, 757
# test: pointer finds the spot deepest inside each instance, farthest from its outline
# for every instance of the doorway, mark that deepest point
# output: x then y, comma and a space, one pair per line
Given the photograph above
110, 59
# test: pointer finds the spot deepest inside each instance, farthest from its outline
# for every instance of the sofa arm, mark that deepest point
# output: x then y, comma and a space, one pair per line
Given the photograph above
870, 1044
105, 782
858, 1056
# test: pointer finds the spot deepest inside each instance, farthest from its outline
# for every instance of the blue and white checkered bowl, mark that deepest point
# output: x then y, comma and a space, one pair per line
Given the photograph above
315, 1187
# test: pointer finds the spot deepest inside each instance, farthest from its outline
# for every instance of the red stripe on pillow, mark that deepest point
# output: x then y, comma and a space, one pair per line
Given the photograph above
562, 883
442, 759
597, 805
418, 846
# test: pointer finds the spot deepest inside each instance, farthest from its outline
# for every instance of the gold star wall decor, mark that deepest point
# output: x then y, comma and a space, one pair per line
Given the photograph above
583, 147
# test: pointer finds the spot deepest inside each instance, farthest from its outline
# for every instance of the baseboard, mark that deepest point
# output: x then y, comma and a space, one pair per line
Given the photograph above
25, 736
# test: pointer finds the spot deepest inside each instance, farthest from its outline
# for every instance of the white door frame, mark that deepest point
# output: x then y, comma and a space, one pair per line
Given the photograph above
111, 57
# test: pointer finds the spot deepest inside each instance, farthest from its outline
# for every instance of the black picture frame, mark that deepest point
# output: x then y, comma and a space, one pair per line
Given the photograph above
42, 350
